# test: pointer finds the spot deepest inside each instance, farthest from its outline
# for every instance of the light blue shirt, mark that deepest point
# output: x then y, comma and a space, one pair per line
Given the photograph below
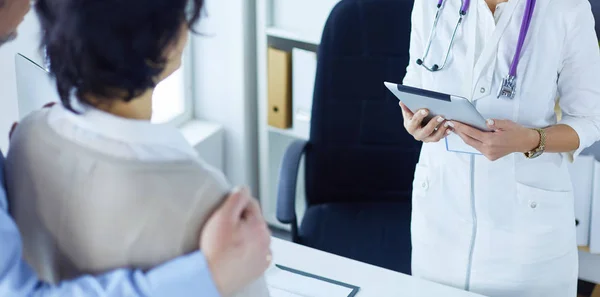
182, 277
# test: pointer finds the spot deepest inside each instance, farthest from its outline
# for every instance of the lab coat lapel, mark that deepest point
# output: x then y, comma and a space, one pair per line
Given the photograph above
491, 47
471, 35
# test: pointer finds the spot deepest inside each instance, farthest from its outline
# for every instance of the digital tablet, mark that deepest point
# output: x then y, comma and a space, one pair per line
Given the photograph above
35, 87
448, 106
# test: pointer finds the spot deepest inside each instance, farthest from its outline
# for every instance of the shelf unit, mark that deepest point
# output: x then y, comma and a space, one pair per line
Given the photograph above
286, 35
285, 25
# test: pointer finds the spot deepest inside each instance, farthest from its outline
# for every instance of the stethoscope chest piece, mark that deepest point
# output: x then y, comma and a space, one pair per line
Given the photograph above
508, 87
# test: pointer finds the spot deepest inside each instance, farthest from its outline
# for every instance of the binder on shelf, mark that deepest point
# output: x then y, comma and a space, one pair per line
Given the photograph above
304, 69
279, 88
582, 178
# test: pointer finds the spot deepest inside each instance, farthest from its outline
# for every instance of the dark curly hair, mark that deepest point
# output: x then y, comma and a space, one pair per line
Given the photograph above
110, 48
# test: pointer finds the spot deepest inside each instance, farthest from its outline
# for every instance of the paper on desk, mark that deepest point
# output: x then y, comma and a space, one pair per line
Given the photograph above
274, 292
455, 144
283, 283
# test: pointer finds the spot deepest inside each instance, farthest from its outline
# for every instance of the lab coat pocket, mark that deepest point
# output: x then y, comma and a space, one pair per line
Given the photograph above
421, 181
422, 201
546, 223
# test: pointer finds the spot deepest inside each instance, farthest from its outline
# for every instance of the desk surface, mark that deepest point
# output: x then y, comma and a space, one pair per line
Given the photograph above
373, 281
589, 265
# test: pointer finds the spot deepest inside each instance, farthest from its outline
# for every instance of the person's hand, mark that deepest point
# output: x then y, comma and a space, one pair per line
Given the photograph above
236, 243
15, 124
508, 137
434, 131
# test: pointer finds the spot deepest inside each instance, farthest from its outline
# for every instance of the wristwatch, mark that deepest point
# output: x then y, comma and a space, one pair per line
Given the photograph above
539, 150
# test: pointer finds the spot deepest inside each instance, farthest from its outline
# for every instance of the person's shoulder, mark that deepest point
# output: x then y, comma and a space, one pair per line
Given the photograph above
569, 6
571, 13
36, 116
31, 123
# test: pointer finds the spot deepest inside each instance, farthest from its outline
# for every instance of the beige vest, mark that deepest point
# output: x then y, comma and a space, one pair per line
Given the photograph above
83, 212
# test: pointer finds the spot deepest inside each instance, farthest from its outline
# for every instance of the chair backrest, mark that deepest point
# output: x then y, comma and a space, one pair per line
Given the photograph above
359, 150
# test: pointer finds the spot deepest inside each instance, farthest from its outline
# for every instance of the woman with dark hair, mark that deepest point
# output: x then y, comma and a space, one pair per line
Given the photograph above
92, 181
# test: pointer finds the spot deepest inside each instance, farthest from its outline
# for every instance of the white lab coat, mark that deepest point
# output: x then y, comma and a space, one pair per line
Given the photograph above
505, 228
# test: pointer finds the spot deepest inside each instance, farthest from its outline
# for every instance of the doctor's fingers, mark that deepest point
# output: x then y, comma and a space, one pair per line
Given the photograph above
440, 133
471, 132
406, 113
431, 128
474, 143
491, 152
415, 123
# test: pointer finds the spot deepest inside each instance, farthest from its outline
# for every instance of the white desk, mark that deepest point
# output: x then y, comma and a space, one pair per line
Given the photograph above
373, 281
589, 266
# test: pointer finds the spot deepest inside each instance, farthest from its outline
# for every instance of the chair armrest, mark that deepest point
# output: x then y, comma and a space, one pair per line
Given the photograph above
288, 178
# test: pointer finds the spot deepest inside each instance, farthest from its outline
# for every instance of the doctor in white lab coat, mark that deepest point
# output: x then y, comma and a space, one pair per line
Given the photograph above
502, 224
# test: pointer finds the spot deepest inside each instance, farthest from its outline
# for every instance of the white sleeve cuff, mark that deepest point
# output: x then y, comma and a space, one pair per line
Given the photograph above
187, 276
581, 126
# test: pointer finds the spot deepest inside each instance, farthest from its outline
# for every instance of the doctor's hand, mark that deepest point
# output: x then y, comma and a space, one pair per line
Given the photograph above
508, 137
236, 243
435, 130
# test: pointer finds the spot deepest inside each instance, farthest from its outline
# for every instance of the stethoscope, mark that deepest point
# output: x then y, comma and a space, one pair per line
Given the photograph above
509, 84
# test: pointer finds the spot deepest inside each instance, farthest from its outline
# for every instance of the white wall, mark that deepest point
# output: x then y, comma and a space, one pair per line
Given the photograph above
303, 17
225, 83
28, 44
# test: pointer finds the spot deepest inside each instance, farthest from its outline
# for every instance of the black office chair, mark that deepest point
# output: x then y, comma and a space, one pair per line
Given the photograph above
359, 159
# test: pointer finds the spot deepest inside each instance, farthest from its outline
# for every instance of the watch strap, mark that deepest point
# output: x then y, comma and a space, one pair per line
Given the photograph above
541, 146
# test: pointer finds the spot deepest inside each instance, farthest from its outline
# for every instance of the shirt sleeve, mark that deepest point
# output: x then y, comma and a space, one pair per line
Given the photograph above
182, 277
578, 85
417, 46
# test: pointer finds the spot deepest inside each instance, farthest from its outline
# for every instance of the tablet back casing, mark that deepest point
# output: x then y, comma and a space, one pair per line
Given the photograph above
448, 106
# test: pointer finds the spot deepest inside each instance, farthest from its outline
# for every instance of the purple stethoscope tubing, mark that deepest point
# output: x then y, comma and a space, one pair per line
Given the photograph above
524, 29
